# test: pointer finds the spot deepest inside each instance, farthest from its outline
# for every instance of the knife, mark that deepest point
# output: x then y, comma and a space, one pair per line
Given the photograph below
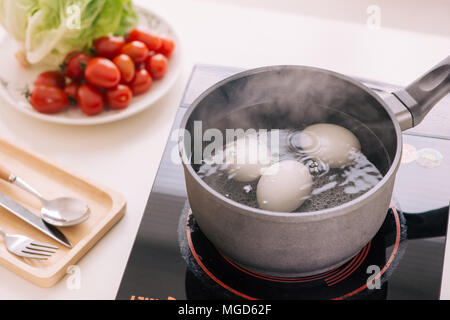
26, 215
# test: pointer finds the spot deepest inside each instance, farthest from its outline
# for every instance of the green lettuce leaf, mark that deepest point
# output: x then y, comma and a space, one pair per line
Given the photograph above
128, 20
49, 29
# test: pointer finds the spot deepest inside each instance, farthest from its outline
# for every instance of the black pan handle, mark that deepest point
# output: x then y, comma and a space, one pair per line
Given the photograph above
421, 95
429, 224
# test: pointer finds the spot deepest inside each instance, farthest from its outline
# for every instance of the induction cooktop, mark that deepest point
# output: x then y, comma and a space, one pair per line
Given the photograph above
172, 259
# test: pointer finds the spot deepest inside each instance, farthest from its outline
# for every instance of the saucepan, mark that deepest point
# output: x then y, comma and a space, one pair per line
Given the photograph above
303, 243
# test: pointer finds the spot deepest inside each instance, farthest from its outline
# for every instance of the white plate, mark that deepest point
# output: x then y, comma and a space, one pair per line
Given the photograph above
15, 80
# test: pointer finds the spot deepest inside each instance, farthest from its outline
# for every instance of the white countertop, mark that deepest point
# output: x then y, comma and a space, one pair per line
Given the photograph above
125, 155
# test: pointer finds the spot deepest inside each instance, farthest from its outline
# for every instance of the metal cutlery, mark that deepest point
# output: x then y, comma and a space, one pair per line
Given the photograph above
28, 248
62, 212
32, 219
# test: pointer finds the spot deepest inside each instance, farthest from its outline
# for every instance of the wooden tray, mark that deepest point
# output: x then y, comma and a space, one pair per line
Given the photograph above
107, 207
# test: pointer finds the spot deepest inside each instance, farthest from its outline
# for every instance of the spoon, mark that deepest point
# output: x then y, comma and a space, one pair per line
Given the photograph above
61, 212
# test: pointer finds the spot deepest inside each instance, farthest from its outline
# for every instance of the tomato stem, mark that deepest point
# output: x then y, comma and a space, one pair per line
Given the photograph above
27, 94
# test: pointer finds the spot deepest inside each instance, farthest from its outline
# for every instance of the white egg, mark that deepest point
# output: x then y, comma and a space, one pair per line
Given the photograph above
332, 144
246, 159
284, 186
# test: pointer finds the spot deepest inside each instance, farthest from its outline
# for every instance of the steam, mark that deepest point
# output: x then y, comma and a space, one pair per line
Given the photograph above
288, 97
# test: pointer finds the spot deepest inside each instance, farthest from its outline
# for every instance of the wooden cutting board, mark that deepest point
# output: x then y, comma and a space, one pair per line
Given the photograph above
107, 208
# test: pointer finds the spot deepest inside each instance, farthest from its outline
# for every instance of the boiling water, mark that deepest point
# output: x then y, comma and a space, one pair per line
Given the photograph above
331, 187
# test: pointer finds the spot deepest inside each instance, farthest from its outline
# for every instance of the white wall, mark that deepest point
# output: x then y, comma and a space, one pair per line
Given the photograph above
430, 16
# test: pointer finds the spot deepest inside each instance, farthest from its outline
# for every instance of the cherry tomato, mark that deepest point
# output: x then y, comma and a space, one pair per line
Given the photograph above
70, 55
48, 99
136, 50
108, 46
51, 78
102, 72
157, 66
126, 67
142, 82
90, 100
143, 65
119, 97
75, 65
167, 47
71, 91
141, 34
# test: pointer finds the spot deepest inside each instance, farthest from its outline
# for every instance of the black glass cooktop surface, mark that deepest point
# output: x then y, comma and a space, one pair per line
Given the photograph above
172, 259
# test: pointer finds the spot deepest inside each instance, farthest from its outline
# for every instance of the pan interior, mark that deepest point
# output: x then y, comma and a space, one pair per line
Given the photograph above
292, 98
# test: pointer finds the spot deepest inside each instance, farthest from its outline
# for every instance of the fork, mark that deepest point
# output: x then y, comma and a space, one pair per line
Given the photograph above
28, 248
